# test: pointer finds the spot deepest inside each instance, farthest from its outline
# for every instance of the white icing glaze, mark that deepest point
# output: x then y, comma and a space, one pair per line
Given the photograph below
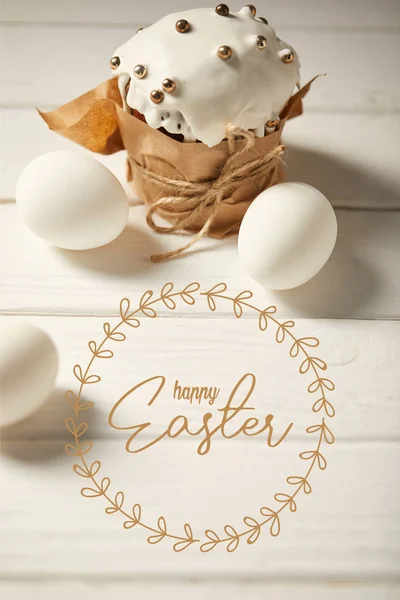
247, 90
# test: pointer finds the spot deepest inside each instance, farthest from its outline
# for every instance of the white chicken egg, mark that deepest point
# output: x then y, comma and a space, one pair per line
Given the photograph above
287, 235
28, 369
72, 201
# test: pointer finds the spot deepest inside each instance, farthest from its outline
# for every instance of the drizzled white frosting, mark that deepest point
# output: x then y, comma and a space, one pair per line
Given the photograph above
247, 91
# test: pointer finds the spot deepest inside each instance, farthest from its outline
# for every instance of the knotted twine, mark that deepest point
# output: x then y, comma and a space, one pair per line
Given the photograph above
206, 194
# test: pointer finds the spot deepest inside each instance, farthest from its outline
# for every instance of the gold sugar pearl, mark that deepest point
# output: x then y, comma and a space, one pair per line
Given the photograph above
225, 52
182, 26
115, 62
288, 58
140, 71
222, 10
253, 9
169, 85
272, 124
157, 96
264, 20
261, 42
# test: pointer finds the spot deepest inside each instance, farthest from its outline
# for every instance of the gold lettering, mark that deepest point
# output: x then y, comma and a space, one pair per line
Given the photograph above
234, 407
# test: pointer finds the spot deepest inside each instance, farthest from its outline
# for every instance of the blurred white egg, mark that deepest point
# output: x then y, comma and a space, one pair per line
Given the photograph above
287, 235
72, 201
28, 369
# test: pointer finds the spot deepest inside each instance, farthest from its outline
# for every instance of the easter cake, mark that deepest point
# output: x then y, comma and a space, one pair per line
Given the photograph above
192, 73
222, 82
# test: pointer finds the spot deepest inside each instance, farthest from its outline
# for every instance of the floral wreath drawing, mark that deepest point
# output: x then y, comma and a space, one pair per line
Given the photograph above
99, 486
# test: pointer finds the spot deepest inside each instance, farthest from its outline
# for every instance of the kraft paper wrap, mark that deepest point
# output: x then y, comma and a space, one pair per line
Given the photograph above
98, 122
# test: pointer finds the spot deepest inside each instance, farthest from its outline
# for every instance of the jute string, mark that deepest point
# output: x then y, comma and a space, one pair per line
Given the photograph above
206, 194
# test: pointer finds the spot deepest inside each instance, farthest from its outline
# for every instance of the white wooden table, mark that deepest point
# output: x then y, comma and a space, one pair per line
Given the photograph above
345, 541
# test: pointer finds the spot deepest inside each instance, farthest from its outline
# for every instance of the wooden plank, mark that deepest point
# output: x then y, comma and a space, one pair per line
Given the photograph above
347, 528
361, 280
333, 152
26, 137
181, 590
70, 61
190, 351
342, 14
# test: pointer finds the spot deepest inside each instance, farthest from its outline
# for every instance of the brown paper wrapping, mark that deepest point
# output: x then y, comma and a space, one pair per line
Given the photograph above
98, 122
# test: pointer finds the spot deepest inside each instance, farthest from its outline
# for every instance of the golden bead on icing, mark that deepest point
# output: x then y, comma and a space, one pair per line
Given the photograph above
272, 124
222, 10
225, 52
140, 71
288, 57
253, 9
169, 85
261, 42
157, 96
264, 20
115, 62
182, 26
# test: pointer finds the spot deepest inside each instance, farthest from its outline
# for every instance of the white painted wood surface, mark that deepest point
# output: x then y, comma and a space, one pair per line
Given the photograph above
351, 349
361, 280
343, 542
359, 14
329, 536
198, 590
76, 63
331, 152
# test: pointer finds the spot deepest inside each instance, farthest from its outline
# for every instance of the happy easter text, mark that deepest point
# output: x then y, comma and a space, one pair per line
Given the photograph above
229, 420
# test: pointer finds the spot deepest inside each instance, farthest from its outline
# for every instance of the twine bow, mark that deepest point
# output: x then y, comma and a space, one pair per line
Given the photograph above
206, 194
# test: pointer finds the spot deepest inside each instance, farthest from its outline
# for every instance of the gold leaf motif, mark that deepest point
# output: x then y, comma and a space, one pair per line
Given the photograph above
86, 405
262, 321
301, 482
156, 539
311, 342
130, 524
72, 450
137, 512
238, 310
167, 289
81, 471
162, 525
105, 484
188, 531
169, 303
211, 303
124, 308
321, 383
208, 546
91, 379
243, 296
149, 312
91, 493
287, 500
192, 288
230, 531
106, 353
220, 288
265, 317
78, 373
183, 545
323, 404
85, 448
275, 527
132, 322
232, 546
